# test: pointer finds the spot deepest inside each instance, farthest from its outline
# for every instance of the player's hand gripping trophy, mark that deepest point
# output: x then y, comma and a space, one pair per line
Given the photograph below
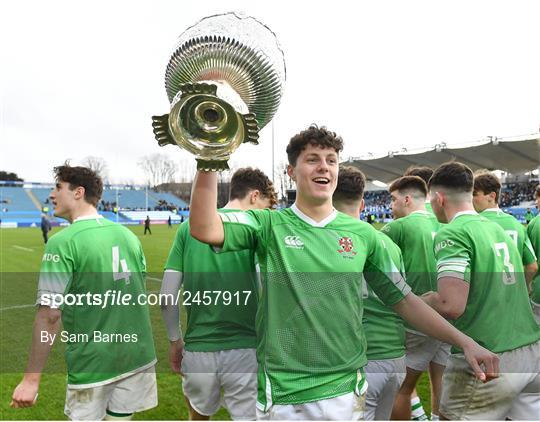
224, 81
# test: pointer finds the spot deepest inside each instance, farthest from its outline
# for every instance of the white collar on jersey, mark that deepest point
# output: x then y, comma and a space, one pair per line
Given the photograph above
88, 217
311, 221
493, 210
468, 212
420, 212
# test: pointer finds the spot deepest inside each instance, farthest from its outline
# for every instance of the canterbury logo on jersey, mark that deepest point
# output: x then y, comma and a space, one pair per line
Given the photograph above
293, 242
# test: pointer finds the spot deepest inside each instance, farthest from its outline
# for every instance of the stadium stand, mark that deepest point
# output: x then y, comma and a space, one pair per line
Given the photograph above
516, 155
16, 199
22, 205
516, 199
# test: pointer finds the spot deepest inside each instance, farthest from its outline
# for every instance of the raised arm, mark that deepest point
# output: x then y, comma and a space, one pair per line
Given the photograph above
204, 221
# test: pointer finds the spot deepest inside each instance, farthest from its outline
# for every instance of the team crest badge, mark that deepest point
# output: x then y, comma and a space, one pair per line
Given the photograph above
346, 247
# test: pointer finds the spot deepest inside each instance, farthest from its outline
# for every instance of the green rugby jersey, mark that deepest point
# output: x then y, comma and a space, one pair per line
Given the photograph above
498, 315
108, 340
414, 235
515, 230
533, 231
311, 344
383, 328
229, 280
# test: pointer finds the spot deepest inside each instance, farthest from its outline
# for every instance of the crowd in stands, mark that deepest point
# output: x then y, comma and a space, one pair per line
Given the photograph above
514, 193
106, 206
377, 203
163, 205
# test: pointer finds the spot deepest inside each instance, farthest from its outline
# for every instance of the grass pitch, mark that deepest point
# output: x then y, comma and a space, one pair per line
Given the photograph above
20, 256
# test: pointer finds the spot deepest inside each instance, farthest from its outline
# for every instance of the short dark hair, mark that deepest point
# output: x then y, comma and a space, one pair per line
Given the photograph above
350, 185
81, 176
453, 175
423, 172
409, 183
487, 182
314, 135
245, 179
537, 191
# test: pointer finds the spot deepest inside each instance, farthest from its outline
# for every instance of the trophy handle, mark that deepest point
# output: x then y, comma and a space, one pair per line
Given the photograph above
251, 129
160, 125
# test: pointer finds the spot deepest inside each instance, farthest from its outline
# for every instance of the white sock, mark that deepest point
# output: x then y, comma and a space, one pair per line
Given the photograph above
434, 417
417, 410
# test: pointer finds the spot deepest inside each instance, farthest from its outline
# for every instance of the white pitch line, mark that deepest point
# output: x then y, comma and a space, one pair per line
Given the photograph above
7, 308
22, 248
153, 279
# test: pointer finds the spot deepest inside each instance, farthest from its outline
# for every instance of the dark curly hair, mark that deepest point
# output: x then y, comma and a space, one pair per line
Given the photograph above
81, 176
350, 185
314, 135
245, 179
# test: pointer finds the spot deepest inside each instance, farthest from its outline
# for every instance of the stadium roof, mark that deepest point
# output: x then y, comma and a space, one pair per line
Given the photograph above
515, 154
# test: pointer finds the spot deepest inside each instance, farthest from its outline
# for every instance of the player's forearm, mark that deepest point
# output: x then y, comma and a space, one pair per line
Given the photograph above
46, 327
170, 311
204, 222
530, 272
424, 318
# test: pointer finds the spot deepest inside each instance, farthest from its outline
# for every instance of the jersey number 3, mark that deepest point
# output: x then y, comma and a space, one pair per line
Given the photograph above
508, 276
117, 263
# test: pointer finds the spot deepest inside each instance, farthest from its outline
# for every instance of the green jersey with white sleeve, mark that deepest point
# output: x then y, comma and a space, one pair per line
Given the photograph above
479, 252
311, 343
97, 269
515, 230
219, 293
383, 327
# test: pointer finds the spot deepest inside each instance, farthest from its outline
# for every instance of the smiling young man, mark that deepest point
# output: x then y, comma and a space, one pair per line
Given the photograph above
217, 352
486, 192
109, 348
311, 344
481, 287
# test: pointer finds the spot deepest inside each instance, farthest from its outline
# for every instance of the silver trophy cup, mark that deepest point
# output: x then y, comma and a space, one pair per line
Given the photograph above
224, 81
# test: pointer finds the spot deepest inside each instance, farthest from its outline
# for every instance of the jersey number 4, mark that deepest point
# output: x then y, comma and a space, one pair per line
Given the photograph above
117, 263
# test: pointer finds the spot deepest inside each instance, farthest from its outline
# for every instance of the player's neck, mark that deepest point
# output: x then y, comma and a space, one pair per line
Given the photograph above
452, 209
351, 210
83, 210
420, 206
317, 212
237, 204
